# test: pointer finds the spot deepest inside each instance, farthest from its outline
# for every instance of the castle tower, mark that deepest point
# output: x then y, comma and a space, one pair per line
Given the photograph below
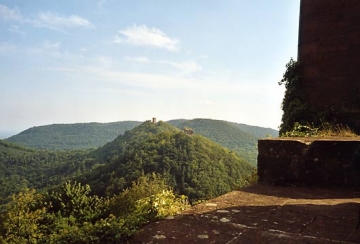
329, 55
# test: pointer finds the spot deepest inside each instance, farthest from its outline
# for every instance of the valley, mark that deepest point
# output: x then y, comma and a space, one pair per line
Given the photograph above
149, 160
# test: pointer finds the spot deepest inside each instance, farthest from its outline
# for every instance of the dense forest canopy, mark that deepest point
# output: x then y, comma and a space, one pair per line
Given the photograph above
240, 138
72, 136
147, 173
193, 165
22, 168
228, 135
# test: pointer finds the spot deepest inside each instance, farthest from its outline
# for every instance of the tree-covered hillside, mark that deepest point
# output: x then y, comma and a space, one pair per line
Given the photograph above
256, 131
72, 136
135, 179
225, 133
22, 167
118, 146
94, 135
192, 164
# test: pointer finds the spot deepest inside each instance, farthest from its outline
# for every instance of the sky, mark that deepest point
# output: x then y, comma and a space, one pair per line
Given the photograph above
80, 61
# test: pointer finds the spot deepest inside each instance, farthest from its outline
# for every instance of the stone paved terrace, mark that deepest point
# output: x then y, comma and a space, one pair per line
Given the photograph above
263, 214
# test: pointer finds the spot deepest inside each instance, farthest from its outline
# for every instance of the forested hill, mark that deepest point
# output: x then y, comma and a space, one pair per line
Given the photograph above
22, 168
118, 146
192, 164
240, 138
72, 136
139, 181
256, 131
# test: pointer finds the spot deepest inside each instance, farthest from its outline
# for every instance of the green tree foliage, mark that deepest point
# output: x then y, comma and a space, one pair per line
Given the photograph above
294, 106
118, 146
69, 215
72, 136
240, 138
193, 165
22, 168
23, 220
227, 134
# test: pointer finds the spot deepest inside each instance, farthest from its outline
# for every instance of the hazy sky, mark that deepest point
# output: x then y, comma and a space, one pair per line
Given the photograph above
115, 60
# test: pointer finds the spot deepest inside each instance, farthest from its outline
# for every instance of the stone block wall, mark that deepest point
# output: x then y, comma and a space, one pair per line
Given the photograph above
329, 55
304, 162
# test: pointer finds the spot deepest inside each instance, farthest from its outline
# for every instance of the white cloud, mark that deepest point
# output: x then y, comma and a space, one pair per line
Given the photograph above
58, 22
16, 29
47, 20
49, 45
7, 13
104, 62
187, 67
144, 36
138, 59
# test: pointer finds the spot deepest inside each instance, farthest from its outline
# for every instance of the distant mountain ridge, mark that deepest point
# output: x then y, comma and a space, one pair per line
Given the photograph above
257, 131
93, 135
240, 138
72, 136
193, 164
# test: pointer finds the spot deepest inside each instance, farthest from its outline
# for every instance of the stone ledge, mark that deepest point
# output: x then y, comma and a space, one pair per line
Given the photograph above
308, 161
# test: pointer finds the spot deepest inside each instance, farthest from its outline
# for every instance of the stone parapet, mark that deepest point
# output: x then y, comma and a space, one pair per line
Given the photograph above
308, 162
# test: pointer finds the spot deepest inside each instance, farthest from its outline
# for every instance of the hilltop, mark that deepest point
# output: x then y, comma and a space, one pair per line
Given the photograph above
240, 138
150, 172
192, 164
71, 136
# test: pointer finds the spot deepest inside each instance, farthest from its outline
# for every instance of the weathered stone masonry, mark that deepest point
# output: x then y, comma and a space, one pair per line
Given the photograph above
329, 57
329, 54
308, 162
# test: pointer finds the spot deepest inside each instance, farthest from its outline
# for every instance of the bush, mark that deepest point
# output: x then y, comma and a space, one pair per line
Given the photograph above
71, 215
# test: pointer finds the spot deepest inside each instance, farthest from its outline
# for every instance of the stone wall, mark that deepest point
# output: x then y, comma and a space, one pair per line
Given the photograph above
329, 55
308, 162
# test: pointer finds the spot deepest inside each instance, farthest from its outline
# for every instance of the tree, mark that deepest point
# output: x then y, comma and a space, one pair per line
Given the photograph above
23, 217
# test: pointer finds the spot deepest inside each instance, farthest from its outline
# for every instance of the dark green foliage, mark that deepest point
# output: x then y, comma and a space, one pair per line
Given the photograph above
71, 215
296, 111
194, 166
72, 136
256, 131
117, 146
132, 177
227, 134
294, 106
22, 168
240, 138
